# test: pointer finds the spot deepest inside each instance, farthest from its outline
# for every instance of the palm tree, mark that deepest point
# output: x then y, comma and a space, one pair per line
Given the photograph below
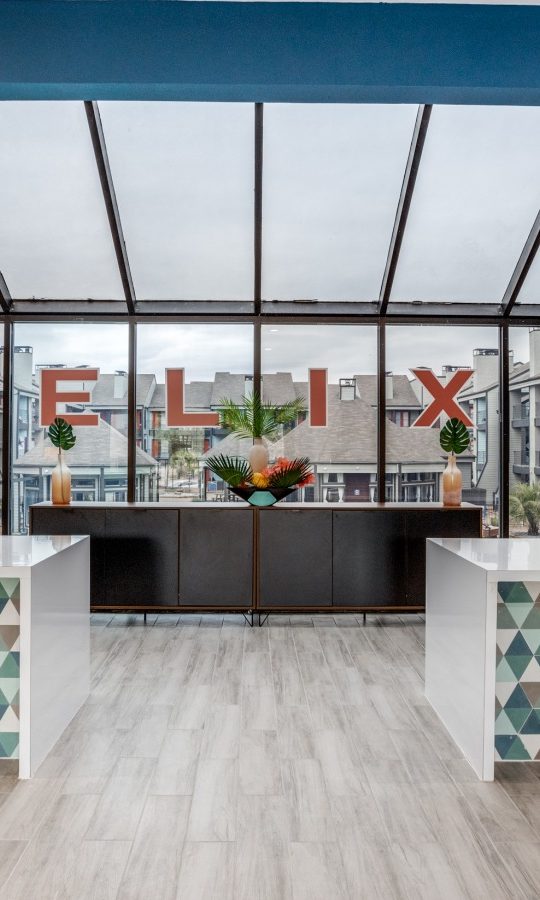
254, 419
251, 418
525, 505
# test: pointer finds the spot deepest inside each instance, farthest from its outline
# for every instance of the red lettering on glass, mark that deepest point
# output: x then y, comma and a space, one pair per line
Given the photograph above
175, 403
318, 397
443, 397
51, 396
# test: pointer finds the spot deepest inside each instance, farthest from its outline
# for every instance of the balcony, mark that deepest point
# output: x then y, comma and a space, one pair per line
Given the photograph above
520, 416
537, 415
537, 463
521, 463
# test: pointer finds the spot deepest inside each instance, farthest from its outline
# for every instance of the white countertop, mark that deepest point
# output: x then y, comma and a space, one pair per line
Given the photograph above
23, 552
512, 558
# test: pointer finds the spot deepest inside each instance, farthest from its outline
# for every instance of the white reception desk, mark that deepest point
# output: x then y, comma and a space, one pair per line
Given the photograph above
44, 642
483, 647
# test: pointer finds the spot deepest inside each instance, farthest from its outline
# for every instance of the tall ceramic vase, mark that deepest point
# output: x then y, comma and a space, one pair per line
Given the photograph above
452, 482
61, 483
258, 455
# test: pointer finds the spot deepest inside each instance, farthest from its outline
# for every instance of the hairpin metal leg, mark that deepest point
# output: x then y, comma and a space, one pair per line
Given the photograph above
249, 617
264, 619
364, 618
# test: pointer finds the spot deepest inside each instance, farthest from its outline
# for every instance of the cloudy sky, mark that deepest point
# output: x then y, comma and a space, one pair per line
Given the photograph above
184, 173
205, 349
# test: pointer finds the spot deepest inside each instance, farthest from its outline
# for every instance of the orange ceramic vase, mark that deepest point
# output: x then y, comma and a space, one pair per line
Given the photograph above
452, 482
61, 483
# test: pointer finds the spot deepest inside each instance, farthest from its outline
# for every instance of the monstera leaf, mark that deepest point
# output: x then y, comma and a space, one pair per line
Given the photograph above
61, 434
454, 437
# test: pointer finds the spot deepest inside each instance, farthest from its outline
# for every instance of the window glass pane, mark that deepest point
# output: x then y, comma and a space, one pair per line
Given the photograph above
55, 240
98, 461
414, 458
476, 197
218, 363
524, 474
530, 290
183, 174
344, 452
332, 178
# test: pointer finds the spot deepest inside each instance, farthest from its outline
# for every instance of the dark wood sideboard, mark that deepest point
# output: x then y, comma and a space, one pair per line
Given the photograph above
230, 556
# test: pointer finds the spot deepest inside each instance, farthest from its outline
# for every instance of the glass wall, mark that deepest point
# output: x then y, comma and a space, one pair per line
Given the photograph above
344, 451
414, 458
217, 364
524, 469
98, 461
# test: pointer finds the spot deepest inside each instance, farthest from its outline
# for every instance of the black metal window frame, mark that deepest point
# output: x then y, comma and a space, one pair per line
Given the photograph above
380, 312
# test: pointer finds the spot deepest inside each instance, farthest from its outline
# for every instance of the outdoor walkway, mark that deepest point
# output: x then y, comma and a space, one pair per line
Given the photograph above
295, 760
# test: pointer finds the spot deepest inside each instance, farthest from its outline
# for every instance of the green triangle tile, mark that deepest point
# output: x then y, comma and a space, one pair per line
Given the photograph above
532, 725
10, 689
533, 618
10, 666
532, 691
10, 586
503, 744
519, 647
514, 592
504, 672
504, 619
518, 664
532, 638
517, 718
503, 725
519, 612
517, 751
9, 744
517, 699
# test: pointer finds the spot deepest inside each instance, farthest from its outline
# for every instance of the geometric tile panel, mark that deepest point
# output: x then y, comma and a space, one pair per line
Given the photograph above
517, 691
9, 667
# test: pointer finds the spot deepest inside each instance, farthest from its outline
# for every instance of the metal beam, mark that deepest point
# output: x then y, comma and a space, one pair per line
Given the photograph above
7, 402
504, 431
132, 414
381, 411
523, 265
404, 203
5, 296
257, 225
113, 214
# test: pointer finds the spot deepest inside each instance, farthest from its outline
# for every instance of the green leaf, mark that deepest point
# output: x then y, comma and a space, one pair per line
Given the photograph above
291, 472
61, 434
232, 469
254, 419
454, 436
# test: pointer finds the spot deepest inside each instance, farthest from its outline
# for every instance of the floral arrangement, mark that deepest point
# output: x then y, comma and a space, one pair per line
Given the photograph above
283, 474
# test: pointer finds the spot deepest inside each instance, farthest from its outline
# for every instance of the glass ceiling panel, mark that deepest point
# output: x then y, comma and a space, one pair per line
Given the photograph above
530, 290
183, 176
55, 240
331, 184
476, 197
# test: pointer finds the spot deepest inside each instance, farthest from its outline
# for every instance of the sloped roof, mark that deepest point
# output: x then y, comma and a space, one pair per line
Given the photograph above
103, 391
278, 388
350, 437
402, 394
101, 446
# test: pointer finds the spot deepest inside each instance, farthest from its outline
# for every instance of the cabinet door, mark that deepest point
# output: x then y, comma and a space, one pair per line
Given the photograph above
369, 558
295, 557
437, 523
77, 520
141, 557
216, 557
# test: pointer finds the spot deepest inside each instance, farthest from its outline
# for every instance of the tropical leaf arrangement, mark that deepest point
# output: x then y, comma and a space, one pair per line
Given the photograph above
454, 437
61, 434
254, 419
284, 473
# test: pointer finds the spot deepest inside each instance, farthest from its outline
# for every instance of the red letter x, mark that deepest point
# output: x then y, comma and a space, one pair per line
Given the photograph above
443, 397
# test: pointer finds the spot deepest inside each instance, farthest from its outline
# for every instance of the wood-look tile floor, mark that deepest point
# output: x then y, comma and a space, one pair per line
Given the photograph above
299, 760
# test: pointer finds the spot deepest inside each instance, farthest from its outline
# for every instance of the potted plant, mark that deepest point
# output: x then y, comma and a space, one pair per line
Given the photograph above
61, 436
257, 420
263, 488
454, 439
